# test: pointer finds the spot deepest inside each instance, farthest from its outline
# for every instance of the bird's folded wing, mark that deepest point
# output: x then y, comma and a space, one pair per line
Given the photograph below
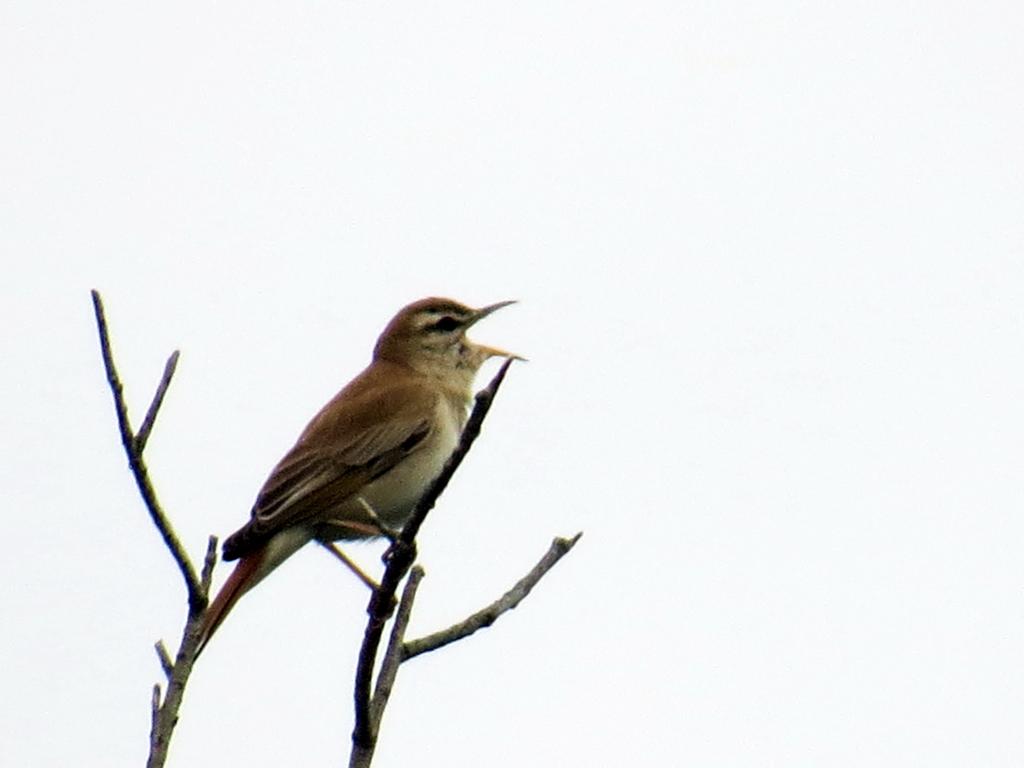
338, 454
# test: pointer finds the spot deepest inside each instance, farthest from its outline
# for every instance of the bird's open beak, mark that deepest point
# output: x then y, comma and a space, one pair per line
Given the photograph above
494, 351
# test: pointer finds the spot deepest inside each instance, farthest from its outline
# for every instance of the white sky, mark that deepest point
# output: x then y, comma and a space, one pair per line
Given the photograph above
771, 261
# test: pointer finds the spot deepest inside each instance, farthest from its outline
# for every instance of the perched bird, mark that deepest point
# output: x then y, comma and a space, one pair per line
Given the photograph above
365, 459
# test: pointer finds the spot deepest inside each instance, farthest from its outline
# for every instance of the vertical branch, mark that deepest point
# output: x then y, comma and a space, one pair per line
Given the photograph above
167, 717
393, 656
164, 713
399, 559
361, 755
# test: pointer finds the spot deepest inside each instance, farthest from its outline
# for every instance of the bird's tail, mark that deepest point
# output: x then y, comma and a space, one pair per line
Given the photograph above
251, 569
241, 580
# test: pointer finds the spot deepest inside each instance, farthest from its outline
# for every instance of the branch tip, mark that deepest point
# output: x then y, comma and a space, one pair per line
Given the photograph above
158, 398
165, 658
209, 561
565, 543
485, 617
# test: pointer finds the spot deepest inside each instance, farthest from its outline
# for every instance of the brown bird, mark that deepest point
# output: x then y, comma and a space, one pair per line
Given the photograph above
365, 459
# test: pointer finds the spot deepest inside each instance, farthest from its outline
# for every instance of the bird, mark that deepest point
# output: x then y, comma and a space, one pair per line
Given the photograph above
363, 461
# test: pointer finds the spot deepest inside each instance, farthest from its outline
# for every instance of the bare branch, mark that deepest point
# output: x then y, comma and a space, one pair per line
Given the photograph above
165, 658
154, 710
147, 423
393, 656
112, 378
209, 561
487, 616
164, 709
361, 756
196, 596
160, 738
399, 559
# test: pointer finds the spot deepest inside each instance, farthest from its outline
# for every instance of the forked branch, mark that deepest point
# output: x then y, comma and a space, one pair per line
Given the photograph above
369, 709
134, 444
399, 558
164, 711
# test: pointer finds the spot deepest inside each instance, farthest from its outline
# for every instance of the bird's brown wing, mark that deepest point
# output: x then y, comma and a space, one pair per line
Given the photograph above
358, 436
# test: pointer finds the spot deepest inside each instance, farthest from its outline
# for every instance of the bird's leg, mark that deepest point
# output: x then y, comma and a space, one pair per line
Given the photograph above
391, 535
375, 527
335, 550
382, 529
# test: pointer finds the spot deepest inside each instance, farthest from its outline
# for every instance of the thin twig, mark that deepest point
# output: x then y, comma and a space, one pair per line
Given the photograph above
142, 436
399, 559
393, 656
487, 616
165, 658
135, 461
209, 561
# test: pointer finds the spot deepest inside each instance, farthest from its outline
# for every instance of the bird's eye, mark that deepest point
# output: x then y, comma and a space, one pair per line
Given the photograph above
445, 325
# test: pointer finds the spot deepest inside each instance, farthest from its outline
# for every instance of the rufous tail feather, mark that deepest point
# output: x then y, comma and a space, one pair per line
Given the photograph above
241, 580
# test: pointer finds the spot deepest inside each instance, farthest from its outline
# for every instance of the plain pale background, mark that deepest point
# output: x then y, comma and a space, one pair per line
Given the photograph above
770, 259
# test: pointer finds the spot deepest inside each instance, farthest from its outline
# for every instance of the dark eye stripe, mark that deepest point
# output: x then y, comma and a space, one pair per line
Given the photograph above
445, 325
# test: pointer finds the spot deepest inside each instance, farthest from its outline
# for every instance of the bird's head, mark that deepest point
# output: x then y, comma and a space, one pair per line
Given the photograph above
429, 336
